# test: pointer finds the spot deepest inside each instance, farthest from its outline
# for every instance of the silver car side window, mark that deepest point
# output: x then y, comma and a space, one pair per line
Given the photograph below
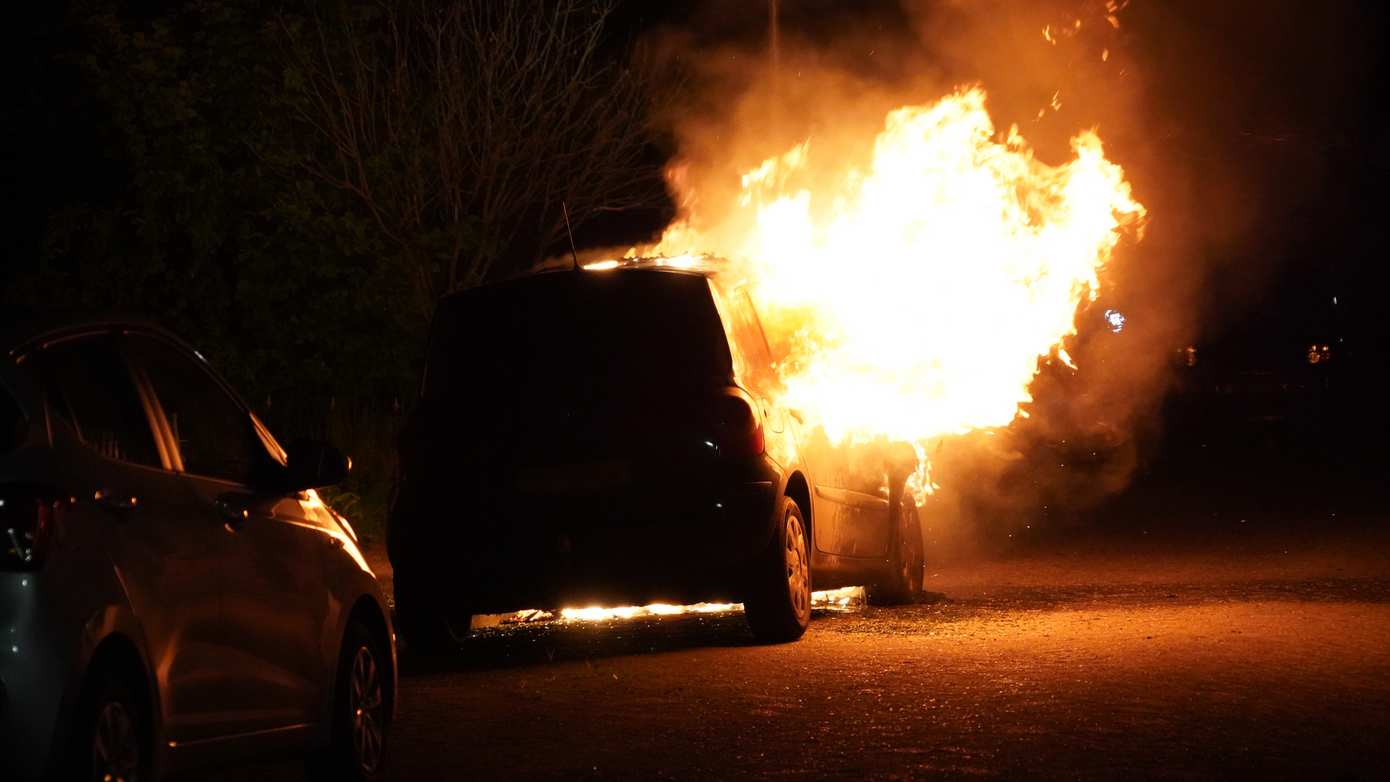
215, 434
88, 385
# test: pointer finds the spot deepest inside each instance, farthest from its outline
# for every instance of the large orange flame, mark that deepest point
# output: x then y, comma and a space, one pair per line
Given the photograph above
912, 297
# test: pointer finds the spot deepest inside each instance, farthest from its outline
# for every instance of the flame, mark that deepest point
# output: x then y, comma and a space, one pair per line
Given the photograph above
843, 599
601, 613
912, 297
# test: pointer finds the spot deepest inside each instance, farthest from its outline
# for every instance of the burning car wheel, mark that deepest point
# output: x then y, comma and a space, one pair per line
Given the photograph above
361, 710
903, 578
113, 738
778, 606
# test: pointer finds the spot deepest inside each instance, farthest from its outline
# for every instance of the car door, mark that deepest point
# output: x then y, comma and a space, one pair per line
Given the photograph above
852, 500
166, 559
274, 601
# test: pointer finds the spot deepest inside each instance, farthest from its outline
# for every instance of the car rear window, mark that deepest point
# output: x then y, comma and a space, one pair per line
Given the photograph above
577, 333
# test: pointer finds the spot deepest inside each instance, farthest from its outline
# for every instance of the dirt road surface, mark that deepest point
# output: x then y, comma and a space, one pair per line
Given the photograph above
1267, 657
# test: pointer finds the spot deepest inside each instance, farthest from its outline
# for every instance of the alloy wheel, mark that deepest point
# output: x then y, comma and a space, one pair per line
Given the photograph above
798, 569
458, 628
910, 536
367, 700
115, 745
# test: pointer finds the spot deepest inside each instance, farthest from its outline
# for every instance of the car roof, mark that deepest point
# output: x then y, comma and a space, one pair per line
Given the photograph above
707, 266
22, 338
689, 263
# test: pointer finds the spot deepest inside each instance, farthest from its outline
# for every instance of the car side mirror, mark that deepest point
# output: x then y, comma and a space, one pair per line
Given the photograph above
311, 464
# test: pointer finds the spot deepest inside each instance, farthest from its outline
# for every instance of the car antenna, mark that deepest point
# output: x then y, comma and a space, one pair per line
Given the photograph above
569, 232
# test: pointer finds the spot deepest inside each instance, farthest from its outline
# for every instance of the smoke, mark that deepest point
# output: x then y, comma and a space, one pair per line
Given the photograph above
1053, 69
1229, 120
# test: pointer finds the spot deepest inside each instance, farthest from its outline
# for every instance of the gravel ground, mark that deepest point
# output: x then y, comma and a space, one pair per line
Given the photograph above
1246, 654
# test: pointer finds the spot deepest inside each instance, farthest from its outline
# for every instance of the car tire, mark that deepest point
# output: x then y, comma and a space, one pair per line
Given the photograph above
904, 574
778, 603
113, 738
363, 701
428, 627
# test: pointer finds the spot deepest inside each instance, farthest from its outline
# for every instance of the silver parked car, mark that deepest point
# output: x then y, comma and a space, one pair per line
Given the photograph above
173, 593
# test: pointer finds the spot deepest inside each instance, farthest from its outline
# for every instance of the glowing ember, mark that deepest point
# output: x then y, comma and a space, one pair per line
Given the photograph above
913, 298
843, 598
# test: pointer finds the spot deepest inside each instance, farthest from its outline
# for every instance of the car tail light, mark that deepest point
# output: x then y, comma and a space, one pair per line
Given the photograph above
738, 424
28, 522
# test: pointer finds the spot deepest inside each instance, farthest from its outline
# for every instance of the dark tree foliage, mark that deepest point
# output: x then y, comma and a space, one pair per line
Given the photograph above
281, 280
290, 186
196, 214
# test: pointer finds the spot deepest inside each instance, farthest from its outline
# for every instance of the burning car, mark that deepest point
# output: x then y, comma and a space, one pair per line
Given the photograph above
614, 435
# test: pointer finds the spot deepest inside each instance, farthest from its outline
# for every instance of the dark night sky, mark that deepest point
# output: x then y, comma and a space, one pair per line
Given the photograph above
1280, 98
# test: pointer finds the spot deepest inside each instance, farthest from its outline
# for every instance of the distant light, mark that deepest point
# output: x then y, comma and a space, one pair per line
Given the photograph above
1115, 320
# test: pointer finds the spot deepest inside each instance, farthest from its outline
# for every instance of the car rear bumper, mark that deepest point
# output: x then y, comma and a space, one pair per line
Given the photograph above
546, 551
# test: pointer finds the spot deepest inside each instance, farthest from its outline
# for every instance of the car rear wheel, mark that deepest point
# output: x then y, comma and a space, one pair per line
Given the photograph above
903, 577
362, 708
429, 625
778, 604
112, 741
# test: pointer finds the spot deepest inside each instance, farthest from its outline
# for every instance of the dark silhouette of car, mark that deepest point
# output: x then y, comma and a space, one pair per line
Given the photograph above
613, 437
173, 593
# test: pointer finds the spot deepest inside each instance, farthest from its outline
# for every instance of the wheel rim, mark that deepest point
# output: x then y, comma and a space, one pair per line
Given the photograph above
458, 628
798, 570
910, 537
367, 702
115, 745
906, 550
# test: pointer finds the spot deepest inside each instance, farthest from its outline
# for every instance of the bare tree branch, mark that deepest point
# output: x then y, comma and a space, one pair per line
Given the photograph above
461, 125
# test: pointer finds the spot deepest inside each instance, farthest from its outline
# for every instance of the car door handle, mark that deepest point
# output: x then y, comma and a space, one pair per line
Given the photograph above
233, 514
116, 500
